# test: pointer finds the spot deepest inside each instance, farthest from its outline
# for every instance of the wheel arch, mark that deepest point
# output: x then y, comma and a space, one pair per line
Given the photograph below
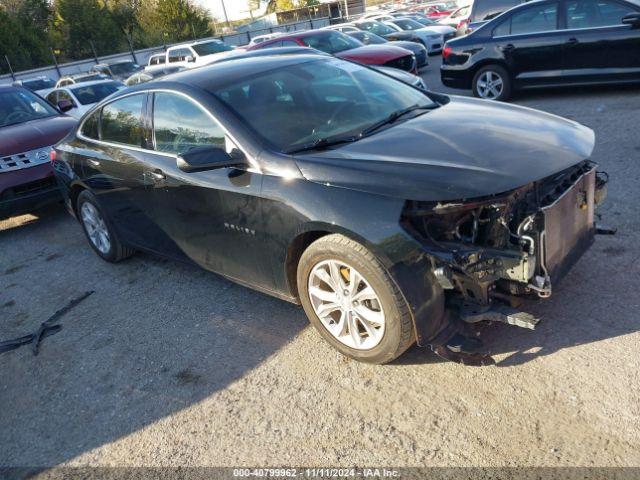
412, 275
74, 192
308, 234
485, 63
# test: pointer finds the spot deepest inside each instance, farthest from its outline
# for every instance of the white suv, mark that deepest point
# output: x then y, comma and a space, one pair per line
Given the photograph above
196, 54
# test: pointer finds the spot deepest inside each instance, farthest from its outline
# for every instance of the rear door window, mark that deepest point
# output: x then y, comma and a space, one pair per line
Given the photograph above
122, 121
595, 13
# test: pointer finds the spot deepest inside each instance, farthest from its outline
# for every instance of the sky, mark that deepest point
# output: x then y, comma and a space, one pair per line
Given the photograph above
236, 9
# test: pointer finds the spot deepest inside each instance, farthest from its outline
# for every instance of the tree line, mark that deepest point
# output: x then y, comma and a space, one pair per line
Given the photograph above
32, 31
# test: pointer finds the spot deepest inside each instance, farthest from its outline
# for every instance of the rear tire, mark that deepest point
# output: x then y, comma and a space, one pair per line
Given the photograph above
99, 230
359, 310
492, 82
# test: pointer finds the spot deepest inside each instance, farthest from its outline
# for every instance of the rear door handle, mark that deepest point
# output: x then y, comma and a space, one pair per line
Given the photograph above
572, 41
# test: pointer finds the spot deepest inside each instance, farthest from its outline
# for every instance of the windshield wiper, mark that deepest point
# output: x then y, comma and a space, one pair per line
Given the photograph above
393, 117
324, 142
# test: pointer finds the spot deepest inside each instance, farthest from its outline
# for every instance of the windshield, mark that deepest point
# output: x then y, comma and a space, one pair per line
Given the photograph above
209, 48
317, 100
376, 27
38, 84
89, 94
19, 106
424, 21
408, 24
122, 68
331, 42
368, 38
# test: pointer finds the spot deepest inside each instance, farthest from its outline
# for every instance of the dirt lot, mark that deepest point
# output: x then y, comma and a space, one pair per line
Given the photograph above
167, 365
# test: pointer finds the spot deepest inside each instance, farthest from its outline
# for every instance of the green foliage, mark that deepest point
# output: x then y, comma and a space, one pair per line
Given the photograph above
23, 34
174, 21
29, 29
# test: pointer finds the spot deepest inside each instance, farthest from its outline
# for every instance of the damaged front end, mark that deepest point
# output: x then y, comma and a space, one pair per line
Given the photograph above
490, 254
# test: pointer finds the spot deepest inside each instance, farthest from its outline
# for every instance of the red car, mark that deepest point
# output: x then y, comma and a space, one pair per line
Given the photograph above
433, 12
348, 48
29, 127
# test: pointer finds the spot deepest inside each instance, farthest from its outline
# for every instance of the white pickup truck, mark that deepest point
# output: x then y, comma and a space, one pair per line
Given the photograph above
190, 55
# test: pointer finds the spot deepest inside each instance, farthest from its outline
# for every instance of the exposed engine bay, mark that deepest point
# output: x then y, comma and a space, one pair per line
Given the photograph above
489, 254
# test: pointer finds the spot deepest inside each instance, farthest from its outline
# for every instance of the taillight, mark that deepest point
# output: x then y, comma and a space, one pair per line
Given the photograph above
446, 51
52, 155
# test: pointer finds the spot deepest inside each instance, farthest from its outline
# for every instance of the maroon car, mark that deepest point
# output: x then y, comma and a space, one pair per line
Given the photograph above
348, 48
29, 127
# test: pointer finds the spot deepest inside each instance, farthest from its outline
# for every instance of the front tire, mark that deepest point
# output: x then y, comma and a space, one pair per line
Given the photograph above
352, 301
99, 231
492, 82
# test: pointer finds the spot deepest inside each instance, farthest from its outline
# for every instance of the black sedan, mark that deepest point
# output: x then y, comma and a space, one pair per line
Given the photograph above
547, 43
326, 183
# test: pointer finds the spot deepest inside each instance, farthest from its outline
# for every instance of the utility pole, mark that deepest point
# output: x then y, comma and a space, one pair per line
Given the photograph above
13, 75
93, 49
55, 62
224, 10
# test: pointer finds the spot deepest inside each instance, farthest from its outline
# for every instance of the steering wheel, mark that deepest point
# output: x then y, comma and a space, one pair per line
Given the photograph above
13, 117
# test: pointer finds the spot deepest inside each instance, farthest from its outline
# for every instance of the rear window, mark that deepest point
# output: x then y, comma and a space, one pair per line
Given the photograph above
122, 121
209, 48
38, 84
88, 94
483, 10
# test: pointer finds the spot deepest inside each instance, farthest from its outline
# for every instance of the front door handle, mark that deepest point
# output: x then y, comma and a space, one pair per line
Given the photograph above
572, 41
157, 175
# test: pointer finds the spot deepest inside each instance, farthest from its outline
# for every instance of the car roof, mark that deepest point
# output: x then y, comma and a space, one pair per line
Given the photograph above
198, 42
219, 74
117, 62
9, 87
87, 84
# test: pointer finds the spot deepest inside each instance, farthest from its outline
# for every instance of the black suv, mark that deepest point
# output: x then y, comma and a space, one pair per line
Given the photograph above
547, 43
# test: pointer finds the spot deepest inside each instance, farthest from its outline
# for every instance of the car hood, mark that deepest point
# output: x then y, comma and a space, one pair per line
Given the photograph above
375, 54
27, 136
442, 29
464, 149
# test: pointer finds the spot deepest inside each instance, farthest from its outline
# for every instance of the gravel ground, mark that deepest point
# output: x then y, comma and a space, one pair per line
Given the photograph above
168, 365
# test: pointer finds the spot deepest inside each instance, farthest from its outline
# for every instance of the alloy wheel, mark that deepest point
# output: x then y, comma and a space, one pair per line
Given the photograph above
96, 227
346, 304
490, 85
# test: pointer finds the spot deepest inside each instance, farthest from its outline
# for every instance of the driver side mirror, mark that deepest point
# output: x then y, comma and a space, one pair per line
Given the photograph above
190, 58
65, 105
208, 157
632, 19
